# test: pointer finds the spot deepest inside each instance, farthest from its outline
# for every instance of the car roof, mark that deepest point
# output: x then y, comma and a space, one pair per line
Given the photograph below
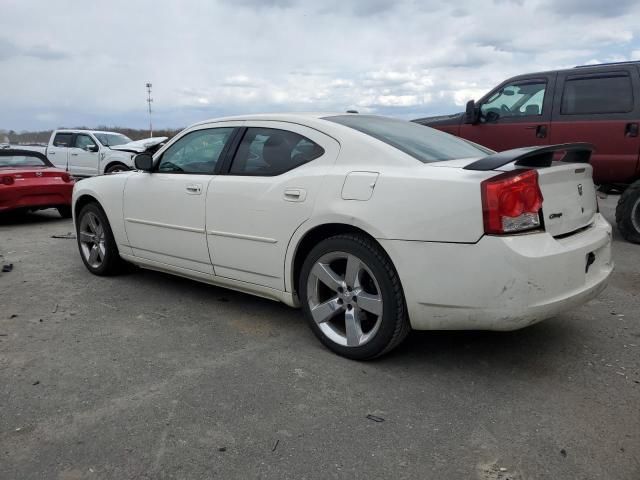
294, 117
580, 69
80, 130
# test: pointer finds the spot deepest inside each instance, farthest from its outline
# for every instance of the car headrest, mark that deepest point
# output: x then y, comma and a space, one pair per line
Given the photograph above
276, 151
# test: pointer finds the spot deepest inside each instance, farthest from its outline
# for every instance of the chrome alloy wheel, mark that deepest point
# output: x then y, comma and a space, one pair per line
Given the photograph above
345, 299
92, 239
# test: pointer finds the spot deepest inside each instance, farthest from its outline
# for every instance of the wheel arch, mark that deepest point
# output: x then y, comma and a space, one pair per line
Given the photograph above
113, 163
310, 238
83, 200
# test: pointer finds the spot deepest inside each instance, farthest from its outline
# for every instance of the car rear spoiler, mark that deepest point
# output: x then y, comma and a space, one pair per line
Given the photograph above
535, 156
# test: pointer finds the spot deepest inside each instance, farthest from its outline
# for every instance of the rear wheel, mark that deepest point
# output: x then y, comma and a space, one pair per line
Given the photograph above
64, 211
352, 297
628, 213
96, 242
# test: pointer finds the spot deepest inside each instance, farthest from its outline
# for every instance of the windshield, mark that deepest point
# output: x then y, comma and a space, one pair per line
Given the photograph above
422, 143
21, 161
112, 139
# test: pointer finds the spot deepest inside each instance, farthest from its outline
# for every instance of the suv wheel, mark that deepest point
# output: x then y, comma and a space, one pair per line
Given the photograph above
117, 167
628, 213
352, 297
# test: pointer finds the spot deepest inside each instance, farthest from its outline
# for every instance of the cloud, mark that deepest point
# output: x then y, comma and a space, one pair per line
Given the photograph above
9, 49
205, 59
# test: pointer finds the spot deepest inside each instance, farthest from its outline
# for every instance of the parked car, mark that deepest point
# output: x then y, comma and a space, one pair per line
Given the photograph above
599, 104
372, 225
85, 153
28, 181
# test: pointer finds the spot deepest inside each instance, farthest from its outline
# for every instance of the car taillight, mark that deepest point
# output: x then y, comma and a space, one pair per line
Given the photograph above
7, 180
511, 202
66, 177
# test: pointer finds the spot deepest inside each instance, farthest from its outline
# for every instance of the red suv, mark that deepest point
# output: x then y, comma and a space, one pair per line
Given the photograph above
598, 104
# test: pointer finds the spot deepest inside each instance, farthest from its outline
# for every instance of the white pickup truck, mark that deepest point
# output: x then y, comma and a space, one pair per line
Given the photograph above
85, 153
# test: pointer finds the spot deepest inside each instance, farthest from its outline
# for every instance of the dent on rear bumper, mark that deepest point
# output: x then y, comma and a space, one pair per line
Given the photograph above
500, 283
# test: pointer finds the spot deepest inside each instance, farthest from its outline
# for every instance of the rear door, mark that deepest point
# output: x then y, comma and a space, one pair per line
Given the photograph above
58, 152
82, 161
600, 107
269, 190
515, 114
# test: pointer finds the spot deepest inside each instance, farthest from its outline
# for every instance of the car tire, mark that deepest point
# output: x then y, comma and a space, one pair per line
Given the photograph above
337, 276
117, 167
64, 211
96, 243
628, 213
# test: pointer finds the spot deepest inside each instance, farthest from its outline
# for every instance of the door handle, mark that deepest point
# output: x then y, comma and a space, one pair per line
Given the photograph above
194, 189
631, 130
295, 195
52, 153
541, 130
74, 154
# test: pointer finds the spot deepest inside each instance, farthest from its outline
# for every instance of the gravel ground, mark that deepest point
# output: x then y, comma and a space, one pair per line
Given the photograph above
150, 376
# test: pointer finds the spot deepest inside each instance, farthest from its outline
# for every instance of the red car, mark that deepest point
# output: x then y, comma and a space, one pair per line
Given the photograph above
28, 181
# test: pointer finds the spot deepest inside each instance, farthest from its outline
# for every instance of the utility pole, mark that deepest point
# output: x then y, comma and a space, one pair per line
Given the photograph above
149, 100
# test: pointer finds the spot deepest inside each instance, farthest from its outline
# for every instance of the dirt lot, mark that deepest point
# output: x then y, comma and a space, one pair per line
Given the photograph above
151, 376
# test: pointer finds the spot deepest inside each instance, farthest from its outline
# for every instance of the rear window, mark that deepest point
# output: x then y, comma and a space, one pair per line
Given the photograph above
62, 140
21, 161
597, 94
422, 143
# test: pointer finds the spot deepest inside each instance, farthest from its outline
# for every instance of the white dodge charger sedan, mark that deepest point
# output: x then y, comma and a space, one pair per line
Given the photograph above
372, 225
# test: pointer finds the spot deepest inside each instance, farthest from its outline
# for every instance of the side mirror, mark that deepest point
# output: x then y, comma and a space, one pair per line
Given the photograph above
143, 161
472, 113
91, 148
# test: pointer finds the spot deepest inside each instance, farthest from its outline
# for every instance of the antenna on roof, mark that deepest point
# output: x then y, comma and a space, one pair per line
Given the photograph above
149, 100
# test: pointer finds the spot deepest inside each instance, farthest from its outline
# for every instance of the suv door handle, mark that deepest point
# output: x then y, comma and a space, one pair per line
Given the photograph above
631, 130
295, 194
74, 154
194, 189
541, 130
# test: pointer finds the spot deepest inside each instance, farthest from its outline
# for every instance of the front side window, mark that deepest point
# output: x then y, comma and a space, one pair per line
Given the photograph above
421, 142
597, 94
196, 152
62, 140
515, 100
84, 141
268, 152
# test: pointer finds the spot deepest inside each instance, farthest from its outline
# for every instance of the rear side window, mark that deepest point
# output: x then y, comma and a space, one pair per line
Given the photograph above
423, 143
268, 152
597, 94
62, 140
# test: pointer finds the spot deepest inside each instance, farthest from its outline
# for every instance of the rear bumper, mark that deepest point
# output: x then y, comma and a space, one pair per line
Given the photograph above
501, 283
34, 195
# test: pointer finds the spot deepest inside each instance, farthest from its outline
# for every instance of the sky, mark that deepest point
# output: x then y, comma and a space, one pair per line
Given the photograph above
72, 63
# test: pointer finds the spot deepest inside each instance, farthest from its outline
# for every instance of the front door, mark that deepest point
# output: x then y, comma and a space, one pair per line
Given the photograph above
268, 192
82, 161
514, 115
599, 107
164, 210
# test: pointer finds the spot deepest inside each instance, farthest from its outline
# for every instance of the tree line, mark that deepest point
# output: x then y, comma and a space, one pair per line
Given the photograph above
42, 136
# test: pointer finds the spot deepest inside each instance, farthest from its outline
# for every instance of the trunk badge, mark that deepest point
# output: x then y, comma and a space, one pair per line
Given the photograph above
580, 189
38, 174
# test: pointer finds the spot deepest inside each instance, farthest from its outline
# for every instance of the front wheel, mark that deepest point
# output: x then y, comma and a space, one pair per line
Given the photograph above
628, 213
96, 242
352, 297
117, 167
